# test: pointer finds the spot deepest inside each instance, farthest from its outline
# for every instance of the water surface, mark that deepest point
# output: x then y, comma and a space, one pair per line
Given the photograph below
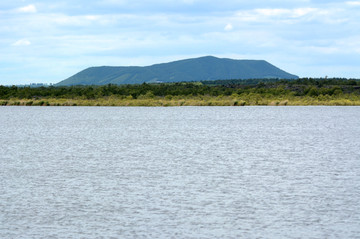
179, 172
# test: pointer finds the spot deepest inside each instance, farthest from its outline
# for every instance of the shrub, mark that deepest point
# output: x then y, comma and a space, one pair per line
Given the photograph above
313, 92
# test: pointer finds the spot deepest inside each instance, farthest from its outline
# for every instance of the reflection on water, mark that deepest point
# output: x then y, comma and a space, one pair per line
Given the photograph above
181, 172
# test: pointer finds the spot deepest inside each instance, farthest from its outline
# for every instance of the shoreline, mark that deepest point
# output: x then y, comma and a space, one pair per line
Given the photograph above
194, 101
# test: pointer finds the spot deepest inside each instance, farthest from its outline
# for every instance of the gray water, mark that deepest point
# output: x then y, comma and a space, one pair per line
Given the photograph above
180, 172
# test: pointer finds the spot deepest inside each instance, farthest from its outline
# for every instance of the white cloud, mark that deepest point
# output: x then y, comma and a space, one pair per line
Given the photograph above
228, 27
81, 20
275, 12
299, 12
272, 12
27, 9
323, 49
22, 42
353, 3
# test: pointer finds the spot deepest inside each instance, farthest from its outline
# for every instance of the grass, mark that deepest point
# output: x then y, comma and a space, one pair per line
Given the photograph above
233, 100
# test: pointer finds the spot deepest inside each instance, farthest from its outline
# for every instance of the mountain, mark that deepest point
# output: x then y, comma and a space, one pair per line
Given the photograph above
196, 69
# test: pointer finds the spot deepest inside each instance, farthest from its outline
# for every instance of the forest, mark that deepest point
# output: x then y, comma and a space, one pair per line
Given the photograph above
303, 91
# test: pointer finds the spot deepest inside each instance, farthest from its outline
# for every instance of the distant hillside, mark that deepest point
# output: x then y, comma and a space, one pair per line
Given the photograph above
197, 69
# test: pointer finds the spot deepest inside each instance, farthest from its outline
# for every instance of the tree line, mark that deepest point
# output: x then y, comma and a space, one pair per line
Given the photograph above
299, 87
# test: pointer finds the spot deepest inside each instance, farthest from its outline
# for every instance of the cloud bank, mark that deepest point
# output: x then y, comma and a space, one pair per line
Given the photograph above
27, 9
22, 42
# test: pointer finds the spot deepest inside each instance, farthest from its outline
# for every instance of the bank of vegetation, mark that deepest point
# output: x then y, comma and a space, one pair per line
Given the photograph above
304, 91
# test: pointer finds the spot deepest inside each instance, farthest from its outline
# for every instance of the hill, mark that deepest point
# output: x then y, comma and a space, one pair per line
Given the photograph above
196, 69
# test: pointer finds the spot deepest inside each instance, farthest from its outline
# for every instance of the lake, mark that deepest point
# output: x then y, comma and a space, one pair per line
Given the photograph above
180, 172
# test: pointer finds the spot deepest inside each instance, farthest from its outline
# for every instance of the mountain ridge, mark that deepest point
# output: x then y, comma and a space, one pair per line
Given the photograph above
193, 69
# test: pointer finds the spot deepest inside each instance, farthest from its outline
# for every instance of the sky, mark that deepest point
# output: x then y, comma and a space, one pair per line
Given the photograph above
49, 41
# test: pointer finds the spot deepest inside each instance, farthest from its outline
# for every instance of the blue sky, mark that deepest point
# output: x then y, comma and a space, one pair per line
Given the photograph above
48, 41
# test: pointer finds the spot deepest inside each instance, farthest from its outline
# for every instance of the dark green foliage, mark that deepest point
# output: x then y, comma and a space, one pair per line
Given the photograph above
301, 87
197, 69
313, 91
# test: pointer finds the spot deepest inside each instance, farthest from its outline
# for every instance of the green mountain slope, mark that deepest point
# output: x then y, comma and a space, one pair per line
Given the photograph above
197, 69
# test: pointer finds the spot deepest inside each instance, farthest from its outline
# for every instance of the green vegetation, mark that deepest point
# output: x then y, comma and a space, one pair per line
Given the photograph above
305, 91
